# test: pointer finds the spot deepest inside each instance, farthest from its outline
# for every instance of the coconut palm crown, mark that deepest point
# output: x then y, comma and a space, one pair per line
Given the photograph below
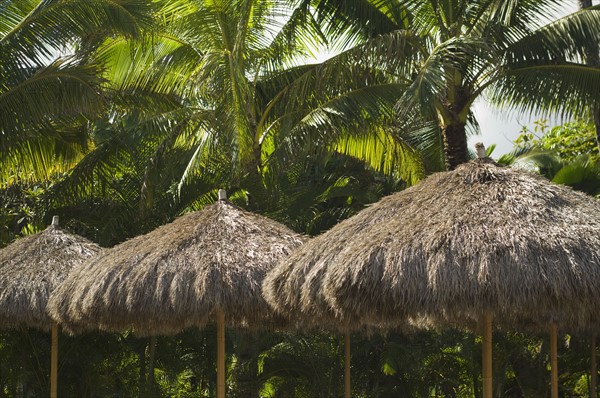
445, 55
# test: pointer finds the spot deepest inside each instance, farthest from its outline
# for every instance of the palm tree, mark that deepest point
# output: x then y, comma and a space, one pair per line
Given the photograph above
222, 71
592, 58
456, 51
208, 98
47, 89
49, 93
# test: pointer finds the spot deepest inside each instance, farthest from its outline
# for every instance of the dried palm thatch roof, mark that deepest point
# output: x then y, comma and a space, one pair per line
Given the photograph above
479, 238
32, 267
178, 275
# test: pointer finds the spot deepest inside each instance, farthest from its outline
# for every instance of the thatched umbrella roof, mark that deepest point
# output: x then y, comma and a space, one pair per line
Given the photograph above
178, 275
32, 267
481, 238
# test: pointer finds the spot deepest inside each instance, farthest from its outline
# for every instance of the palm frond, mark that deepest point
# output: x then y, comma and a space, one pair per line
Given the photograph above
447, 68
327, 121
564, 39
58, 92
52, 152
581, 175
48, 26
361, 18
568, 89
384, 154
419, 128
298, 36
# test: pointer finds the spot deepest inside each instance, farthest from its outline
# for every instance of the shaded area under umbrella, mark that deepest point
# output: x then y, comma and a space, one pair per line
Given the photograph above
204, 265
477, 243
30, 269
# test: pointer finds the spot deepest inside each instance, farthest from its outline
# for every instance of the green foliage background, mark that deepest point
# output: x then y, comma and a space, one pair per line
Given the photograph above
120, 115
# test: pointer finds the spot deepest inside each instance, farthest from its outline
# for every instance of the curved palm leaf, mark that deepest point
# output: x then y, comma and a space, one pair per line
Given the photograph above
43, 94
464, 49
568, 89
220, 64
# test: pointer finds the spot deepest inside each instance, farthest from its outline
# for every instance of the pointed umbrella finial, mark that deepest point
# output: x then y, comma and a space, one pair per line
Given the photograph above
481, 152
55, 221
222, 194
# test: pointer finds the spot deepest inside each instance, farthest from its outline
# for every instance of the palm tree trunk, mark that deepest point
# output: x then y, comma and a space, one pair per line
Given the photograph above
597, 125
253, 181
592, 58
455, 145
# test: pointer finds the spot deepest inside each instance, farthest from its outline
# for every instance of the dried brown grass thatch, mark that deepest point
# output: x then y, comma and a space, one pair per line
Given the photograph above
31, 268
479, 238
178, 275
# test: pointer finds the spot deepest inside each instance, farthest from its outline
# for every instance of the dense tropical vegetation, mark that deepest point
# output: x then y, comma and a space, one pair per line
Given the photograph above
565, 154
120, 115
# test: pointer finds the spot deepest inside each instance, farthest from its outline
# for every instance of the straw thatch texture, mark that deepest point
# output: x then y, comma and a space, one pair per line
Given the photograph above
481, 237
31, 268
177, 275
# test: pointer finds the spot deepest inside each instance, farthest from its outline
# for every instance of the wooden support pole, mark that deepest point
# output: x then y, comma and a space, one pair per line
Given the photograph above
151, 379
54, 361
593, 366
553, 360
220, 354
486, 355
347, 384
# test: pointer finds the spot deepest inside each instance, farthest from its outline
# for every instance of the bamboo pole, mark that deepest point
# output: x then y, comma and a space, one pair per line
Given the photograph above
486, 355
347, 384
553, 361
54, 361
220, 354
593, 367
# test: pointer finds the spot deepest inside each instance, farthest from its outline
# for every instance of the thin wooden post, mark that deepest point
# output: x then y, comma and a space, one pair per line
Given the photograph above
220, 354
593, 367
486, 355
142, 364
54, 347
54, 361
151, 379
553, 360
347, 384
